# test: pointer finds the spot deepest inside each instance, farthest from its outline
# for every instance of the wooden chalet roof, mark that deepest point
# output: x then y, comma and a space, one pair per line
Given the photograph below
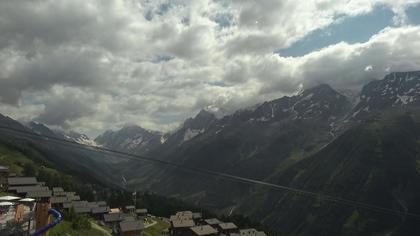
101, 203
141, 211
75, 204
59, 200
39, 194
26, 189
82, 209
127, 226
13, 181
228, 226
204, 230
100, 210
58, 189
250, 232
212, 221
113, 217
182, 223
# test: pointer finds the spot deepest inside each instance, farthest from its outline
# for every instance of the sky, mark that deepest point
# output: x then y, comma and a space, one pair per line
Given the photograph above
95, 65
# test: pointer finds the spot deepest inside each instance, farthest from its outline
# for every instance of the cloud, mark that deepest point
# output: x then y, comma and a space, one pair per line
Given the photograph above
95, 65
64, 105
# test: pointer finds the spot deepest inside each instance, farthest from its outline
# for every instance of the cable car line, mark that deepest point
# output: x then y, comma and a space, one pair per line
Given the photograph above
324, 197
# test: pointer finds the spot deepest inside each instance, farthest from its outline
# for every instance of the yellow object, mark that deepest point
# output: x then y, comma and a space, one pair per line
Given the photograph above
41, 215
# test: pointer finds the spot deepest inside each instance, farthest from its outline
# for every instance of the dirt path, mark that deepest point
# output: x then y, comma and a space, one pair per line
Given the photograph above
95, 226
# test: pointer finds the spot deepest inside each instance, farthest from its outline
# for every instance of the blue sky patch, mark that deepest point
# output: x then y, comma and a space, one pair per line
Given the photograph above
413, 14
347, 29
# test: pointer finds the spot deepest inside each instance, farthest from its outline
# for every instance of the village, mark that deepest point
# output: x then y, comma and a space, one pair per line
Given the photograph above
24, 205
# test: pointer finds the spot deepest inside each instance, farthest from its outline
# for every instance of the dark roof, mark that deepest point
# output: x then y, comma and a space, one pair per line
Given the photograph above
113, 217
182, 223
58, 189
99, 210
60, 194
75, 204
141, 211
57, 200
197, 215
74, 198
101, 203
70, 194
129, 218
4, 169
204, 230
252, 232
25, 189
22, 181
39, 194
82, 209
228, 226
212, 221
127, 226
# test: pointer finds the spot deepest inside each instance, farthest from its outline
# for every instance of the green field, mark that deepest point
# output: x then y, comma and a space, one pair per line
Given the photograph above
64, 228
157, 229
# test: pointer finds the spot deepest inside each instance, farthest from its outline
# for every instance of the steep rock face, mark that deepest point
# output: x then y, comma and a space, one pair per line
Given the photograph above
191, 128
42, 129
133, 139
8, 122
375, 163
397, 89
251, 143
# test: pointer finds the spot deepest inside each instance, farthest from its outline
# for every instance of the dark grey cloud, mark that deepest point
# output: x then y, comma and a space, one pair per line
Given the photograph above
68, 66
61, 110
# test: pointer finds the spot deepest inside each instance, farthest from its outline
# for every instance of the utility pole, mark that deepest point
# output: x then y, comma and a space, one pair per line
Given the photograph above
135, 198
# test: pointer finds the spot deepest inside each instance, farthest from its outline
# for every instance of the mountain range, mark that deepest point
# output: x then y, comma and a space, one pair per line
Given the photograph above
365, 149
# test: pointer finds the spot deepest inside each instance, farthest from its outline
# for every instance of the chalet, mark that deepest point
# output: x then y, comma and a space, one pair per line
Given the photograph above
197, 217
12, 174
204, 230
249, 232
21, 181
131, 228
113, 218
68, 205
4, 171
115, 210
129, 218
141, 212
99, 212
184, 214
24, 190
58, 200
101, 203
181, 227
82, 210
228, 228
129, 209
212, 222
58, 189
39, 194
